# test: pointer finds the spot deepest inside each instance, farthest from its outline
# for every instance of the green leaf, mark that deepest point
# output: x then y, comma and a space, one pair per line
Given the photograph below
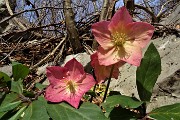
123, 101
148, 72
9, 98
63, 111
29, 94
169, 112
40, 86
119, 113
9, 106
2, 95
19, 70
2, 114
4, 77
10, 102
36, 111
17, 86
18, 114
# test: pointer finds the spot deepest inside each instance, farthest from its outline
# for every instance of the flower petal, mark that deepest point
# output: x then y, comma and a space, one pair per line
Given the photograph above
120, 19
86, 84
111, 56
54, 94
75, 69
140, 33
102, 34
99, 70
116, 69
102, 72
55, 74
94, 59
73, 99
134, 54
61, 90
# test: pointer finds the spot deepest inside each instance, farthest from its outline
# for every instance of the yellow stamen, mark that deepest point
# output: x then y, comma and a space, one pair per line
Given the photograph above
71, 86
119, 39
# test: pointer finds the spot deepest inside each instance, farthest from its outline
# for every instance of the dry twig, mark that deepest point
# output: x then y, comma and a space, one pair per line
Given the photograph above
49, 55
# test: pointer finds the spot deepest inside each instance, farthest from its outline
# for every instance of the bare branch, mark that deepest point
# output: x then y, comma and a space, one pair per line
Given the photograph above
154, 18
31, 29
73, 34
21, 12
49, 55
104, 10
147, 5
162, 7
15, 19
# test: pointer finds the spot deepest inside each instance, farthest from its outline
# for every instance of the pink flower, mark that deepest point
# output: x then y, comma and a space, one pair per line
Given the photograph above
68, 83
102, 72
121, 39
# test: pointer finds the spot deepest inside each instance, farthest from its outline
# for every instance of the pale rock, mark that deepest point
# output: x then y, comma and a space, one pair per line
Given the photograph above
6, 69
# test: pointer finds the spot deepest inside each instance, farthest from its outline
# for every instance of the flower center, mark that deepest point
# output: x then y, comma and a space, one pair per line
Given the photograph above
71, 86
119, 39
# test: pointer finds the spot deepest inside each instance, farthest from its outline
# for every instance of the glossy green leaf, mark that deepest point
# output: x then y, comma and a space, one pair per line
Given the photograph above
10, 102
119, 113
18, 114
169, 112
63, 111
123, 101
148, 72
36, 111
4, 77
17, 86
19, 70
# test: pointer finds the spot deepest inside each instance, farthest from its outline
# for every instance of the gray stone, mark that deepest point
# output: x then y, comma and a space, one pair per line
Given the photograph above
169, 49
161, 101
169, 86
6, 69
173, 18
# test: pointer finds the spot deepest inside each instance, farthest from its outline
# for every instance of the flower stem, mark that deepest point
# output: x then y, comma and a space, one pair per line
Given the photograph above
109, 80
94, 89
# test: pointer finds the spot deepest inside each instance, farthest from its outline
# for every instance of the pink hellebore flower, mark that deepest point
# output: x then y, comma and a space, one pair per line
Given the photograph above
68, 83
121, 39
102, 72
